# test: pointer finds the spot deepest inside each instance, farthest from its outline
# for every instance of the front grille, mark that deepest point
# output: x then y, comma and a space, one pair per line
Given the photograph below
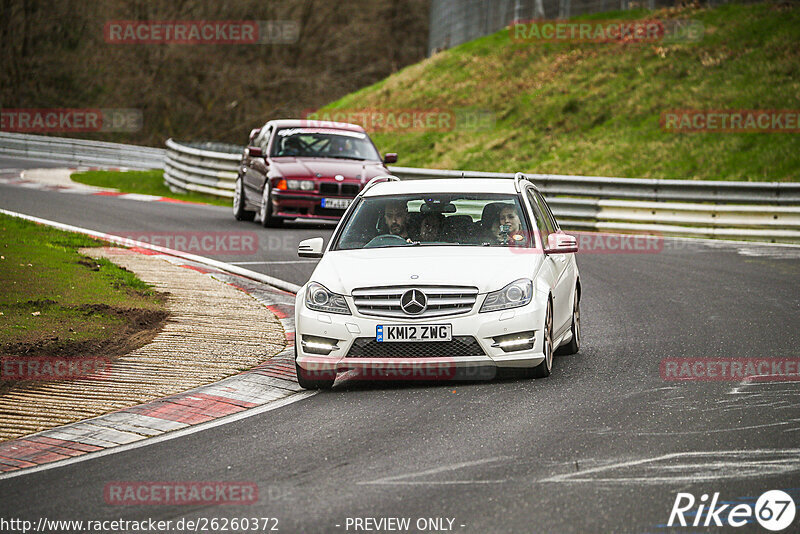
328, 188
367, 347
442, 300
350, 190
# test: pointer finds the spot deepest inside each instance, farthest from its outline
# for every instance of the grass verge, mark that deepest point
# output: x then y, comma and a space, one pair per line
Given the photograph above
58, 302
594, 109
144, 183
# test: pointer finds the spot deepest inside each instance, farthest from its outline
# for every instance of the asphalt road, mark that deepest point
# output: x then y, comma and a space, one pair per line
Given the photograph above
604, 444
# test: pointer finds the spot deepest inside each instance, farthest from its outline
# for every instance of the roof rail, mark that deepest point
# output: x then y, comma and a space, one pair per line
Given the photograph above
518, 177
379, 179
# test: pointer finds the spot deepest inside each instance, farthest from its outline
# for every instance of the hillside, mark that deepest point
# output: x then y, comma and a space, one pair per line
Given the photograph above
594, 108
57, 55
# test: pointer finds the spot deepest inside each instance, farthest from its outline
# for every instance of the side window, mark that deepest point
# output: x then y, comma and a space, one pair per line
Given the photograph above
546, 208
263, 140
542, 223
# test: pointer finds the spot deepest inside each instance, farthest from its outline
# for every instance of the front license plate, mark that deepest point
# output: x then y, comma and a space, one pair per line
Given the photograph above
413, 332
336, 203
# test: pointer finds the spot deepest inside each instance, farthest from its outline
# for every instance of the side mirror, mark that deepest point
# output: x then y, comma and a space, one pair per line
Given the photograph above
390, 157
310, 248
560, 243
255, 152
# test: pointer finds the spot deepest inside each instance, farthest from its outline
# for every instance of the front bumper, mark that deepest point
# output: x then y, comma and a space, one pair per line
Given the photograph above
291, 204
483, 327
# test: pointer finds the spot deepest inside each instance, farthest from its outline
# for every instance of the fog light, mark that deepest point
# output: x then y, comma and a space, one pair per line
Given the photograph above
514, 342
319, 345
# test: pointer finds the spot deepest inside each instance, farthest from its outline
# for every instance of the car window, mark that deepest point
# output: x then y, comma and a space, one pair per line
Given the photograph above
263, 139
441, 219
323, 143
543, 224
548, 211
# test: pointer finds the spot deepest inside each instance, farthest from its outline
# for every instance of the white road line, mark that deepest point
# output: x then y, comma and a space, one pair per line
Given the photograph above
275, 262
742, 464
270, 280
682, 432
399, 479
164, 437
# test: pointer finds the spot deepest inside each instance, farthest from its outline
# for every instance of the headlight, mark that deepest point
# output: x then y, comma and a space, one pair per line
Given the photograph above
517, 293
305, 185
320, 299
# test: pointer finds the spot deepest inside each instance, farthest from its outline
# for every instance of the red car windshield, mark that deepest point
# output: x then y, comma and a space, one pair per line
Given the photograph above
323, 143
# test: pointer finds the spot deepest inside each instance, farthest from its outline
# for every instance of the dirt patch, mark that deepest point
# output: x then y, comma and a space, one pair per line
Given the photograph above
138, 327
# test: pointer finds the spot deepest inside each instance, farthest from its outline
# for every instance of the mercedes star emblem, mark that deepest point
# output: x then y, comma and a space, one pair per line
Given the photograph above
414, 302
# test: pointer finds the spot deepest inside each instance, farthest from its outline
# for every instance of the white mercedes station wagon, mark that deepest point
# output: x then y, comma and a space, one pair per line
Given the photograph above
439, 279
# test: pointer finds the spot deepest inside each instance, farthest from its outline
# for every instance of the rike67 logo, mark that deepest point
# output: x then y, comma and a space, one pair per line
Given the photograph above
774, 510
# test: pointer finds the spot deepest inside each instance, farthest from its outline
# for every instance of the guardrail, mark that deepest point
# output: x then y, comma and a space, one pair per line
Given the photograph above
80, 152
763, 211
191, 167
636, 188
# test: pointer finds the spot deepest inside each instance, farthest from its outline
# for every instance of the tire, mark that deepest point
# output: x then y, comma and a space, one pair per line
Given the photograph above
311, 383
239, 213
575, 343
267, 220
543, 369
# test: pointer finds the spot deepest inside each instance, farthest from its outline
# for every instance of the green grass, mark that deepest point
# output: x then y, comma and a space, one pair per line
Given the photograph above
593, 109
53, 295
142, 182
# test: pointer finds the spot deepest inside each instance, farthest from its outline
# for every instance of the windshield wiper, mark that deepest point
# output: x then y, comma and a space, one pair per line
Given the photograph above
337, 156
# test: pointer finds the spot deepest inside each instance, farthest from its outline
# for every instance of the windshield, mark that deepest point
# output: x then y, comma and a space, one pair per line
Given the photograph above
323, 143
477, 219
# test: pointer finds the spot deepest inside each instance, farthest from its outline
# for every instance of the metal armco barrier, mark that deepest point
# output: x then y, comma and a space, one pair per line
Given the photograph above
762, 211
80, 152
636, 188
187, 168
759, 211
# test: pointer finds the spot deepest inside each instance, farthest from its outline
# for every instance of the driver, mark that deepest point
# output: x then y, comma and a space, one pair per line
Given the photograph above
292, 147
395, 218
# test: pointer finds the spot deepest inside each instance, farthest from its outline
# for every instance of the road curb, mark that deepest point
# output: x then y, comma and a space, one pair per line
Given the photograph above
269, 383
